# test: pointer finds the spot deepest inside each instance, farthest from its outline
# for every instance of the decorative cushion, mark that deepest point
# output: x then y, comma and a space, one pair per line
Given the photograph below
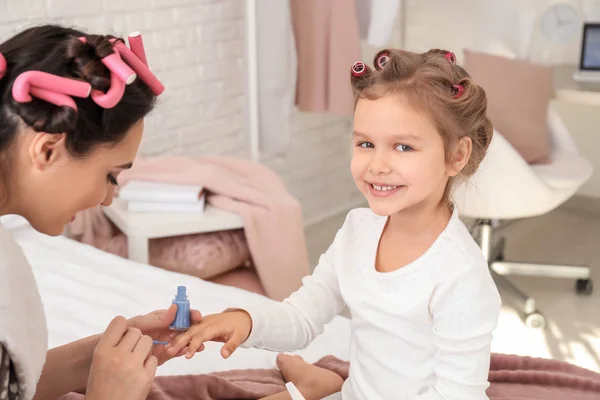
205, 255
518, 94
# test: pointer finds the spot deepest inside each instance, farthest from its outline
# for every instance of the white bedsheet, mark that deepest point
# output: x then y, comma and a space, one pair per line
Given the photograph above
83, 288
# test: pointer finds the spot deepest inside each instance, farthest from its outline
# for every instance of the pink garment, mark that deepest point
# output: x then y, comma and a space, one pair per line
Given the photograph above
327, 44
272, 217
511, 378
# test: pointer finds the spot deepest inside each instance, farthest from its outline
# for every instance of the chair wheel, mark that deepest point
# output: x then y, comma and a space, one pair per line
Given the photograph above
584, 286
535, 320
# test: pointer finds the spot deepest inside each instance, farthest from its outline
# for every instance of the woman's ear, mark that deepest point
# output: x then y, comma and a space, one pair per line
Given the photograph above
462, 153
46, 149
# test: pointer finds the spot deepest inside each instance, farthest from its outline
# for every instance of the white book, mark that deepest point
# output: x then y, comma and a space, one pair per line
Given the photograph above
167, 207
160, 192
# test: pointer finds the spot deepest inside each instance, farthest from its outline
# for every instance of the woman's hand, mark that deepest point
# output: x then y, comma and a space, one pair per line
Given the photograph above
156, 325
123, 367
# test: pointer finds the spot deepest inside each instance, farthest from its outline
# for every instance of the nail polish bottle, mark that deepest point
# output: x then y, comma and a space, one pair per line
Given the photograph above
182, 319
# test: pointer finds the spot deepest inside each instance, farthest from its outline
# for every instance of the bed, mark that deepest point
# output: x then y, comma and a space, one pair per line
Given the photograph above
83, 288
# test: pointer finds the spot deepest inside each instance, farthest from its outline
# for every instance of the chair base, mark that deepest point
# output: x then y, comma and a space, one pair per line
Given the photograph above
494, 254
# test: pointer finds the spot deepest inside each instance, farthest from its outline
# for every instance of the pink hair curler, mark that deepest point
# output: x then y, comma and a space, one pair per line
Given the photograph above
57, 99
383, 59
457, 91
450, 56
359, 69
140, 68
114, 94
114, 63
137, 46
2, 66
54, 89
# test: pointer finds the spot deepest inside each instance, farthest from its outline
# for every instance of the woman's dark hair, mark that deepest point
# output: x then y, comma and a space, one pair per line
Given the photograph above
57, 50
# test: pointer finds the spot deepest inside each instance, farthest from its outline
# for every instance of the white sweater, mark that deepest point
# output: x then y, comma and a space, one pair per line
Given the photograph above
421, 332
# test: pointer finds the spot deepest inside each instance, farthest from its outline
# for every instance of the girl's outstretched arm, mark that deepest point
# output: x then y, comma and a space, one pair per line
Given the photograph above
278, 326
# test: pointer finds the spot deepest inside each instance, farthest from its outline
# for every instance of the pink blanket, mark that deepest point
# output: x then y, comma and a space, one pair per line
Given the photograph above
511, 377
272, 217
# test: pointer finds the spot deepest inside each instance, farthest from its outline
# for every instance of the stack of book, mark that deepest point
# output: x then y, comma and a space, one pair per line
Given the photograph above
149, 196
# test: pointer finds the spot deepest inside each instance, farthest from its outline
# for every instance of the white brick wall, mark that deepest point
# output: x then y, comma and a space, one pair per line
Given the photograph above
196, 47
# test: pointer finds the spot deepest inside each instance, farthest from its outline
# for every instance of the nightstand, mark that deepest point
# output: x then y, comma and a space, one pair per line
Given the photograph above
140, 227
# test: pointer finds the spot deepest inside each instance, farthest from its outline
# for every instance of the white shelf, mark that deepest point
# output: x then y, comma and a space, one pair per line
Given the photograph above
154, 225
569, 90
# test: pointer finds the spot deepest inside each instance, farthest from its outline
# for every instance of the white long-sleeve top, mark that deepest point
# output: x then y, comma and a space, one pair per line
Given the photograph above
421, 332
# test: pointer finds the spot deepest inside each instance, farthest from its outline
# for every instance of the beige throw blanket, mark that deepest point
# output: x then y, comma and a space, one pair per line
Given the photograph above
512, 378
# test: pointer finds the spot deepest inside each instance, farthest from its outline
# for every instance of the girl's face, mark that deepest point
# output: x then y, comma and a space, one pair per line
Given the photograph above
52, 186
398, 158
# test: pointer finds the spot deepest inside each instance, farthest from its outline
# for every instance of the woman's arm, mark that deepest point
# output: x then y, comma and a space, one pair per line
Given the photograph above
66, 369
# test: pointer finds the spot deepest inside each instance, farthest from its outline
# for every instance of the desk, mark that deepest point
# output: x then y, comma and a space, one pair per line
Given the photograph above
143, 226
569, 90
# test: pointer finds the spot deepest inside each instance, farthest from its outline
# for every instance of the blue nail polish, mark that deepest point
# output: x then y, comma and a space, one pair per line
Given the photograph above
182, 319
159, 342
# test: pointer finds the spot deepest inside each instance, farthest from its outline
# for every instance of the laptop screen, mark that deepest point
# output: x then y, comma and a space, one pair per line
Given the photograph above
590, 49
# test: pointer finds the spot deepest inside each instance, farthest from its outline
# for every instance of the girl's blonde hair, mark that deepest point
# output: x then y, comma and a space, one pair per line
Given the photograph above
434, 84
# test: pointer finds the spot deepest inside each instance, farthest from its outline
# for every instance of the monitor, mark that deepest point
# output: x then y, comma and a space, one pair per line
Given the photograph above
590, 48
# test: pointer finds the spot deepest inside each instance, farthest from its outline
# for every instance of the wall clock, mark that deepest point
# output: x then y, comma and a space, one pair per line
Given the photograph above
561, 22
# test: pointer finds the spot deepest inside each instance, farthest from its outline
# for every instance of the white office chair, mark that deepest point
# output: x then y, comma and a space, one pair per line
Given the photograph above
507, 187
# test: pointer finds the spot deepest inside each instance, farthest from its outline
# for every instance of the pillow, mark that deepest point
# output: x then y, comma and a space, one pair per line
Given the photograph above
205, 255
518, 94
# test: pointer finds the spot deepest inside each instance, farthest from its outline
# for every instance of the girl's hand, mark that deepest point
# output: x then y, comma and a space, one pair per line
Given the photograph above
231, 327
123, 367
156, 325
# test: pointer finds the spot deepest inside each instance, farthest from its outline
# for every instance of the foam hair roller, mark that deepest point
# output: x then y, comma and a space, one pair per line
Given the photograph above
382, 60
359, 69
457, 91
137, 46
51, 88
138, 66
450, 56
115, 65
2, 66
125, 66
113, 96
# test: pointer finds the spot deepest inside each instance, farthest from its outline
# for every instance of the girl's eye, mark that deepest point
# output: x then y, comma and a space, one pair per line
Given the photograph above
366, 145
403, 147
110, 178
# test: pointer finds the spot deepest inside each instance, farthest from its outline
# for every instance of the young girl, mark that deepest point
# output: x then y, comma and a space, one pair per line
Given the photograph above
422, 300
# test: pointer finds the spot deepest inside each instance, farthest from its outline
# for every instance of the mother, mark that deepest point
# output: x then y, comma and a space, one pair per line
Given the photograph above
61, 151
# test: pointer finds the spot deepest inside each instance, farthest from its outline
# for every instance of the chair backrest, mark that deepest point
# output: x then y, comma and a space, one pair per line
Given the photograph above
562, 141
505, 185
